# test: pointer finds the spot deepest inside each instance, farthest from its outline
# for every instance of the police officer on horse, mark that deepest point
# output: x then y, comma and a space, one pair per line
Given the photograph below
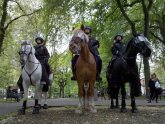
117, 50
43, 56
93, 45
42, 53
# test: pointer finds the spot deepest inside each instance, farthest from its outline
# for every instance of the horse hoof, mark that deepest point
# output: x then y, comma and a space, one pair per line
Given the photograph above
36, 110
92, 109
21, 111
112, 107
123, 110
135, 110
39, 106
78, 111
45, 106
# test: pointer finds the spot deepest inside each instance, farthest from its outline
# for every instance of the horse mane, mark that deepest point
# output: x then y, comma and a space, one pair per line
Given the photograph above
128, 44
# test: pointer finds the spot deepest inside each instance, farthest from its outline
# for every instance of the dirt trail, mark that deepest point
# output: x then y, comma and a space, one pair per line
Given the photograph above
67, 115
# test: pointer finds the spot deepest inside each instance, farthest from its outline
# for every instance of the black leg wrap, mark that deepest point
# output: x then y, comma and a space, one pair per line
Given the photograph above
22, 110
36, 102
24, 104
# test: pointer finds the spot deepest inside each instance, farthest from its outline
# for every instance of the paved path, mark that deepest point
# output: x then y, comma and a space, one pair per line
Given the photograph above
13, 107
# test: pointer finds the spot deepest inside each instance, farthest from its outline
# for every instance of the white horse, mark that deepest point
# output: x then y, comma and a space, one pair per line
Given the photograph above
31, 75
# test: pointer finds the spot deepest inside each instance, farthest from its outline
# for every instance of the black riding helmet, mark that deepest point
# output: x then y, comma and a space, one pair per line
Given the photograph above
89, 28
39, 38
118, 34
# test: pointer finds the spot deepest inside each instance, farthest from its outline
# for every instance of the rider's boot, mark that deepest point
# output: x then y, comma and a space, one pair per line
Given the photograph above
74, 60
74, 76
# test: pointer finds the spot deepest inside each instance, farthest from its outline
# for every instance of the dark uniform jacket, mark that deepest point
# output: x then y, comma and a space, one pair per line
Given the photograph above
42, 53
93, 45
117, 49
151, 84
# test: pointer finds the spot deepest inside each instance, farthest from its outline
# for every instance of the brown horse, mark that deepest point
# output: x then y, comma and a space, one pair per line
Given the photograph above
85, 70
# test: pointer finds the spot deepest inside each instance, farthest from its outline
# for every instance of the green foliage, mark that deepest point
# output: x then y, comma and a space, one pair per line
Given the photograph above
55, 22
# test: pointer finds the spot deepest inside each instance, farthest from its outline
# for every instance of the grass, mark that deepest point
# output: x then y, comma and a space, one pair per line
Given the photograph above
6, 117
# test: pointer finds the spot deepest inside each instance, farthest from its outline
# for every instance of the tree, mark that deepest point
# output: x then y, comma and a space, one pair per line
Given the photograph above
4, 23
146, 7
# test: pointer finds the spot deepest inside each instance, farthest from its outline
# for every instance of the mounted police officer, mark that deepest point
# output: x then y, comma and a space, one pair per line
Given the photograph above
93, 45
43, 56
42, 53
117, 50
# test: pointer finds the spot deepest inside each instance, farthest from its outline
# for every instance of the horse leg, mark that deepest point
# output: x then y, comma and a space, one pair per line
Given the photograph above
22, 110
91, 97
123, 104
133, 104
80, 95
37, 96
112, 96
45, 100
86, 98
117, 100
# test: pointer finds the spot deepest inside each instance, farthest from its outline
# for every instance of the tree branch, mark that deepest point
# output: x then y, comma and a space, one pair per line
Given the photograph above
126, 17
157, 37
131, 4
7, 25
4, 14
18, 5
110, 14
144, 7
150, 4
154, 26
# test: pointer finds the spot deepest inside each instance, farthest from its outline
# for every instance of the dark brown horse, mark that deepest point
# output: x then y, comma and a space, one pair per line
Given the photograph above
85, 70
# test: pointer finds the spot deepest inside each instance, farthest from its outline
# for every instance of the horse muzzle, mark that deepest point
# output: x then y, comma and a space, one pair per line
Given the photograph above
146, 52
74, 48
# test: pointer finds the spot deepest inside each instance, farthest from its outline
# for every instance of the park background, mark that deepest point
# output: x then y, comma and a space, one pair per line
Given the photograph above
54, 20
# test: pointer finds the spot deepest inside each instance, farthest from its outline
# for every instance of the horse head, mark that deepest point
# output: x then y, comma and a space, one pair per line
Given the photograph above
78, 40
26, 50
143, 46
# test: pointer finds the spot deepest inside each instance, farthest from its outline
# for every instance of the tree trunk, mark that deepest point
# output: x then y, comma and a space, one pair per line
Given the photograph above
63, 92
50, 92
60, 92
2, 23
146, 73
146, 9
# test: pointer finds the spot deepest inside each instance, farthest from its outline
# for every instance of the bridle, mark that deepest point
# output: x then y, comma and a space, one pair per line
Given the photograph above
28, 55
24, 52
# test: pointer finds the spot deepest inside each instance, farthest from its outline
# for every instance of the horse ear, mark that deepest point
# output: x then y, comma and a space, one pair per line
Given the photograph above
29, 41
82, 27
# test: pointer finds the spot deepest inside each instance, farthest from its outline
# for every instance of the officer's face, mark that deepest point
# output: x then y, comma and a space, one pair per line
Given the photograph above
118, 38
87, 31
153, 76
38, 41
